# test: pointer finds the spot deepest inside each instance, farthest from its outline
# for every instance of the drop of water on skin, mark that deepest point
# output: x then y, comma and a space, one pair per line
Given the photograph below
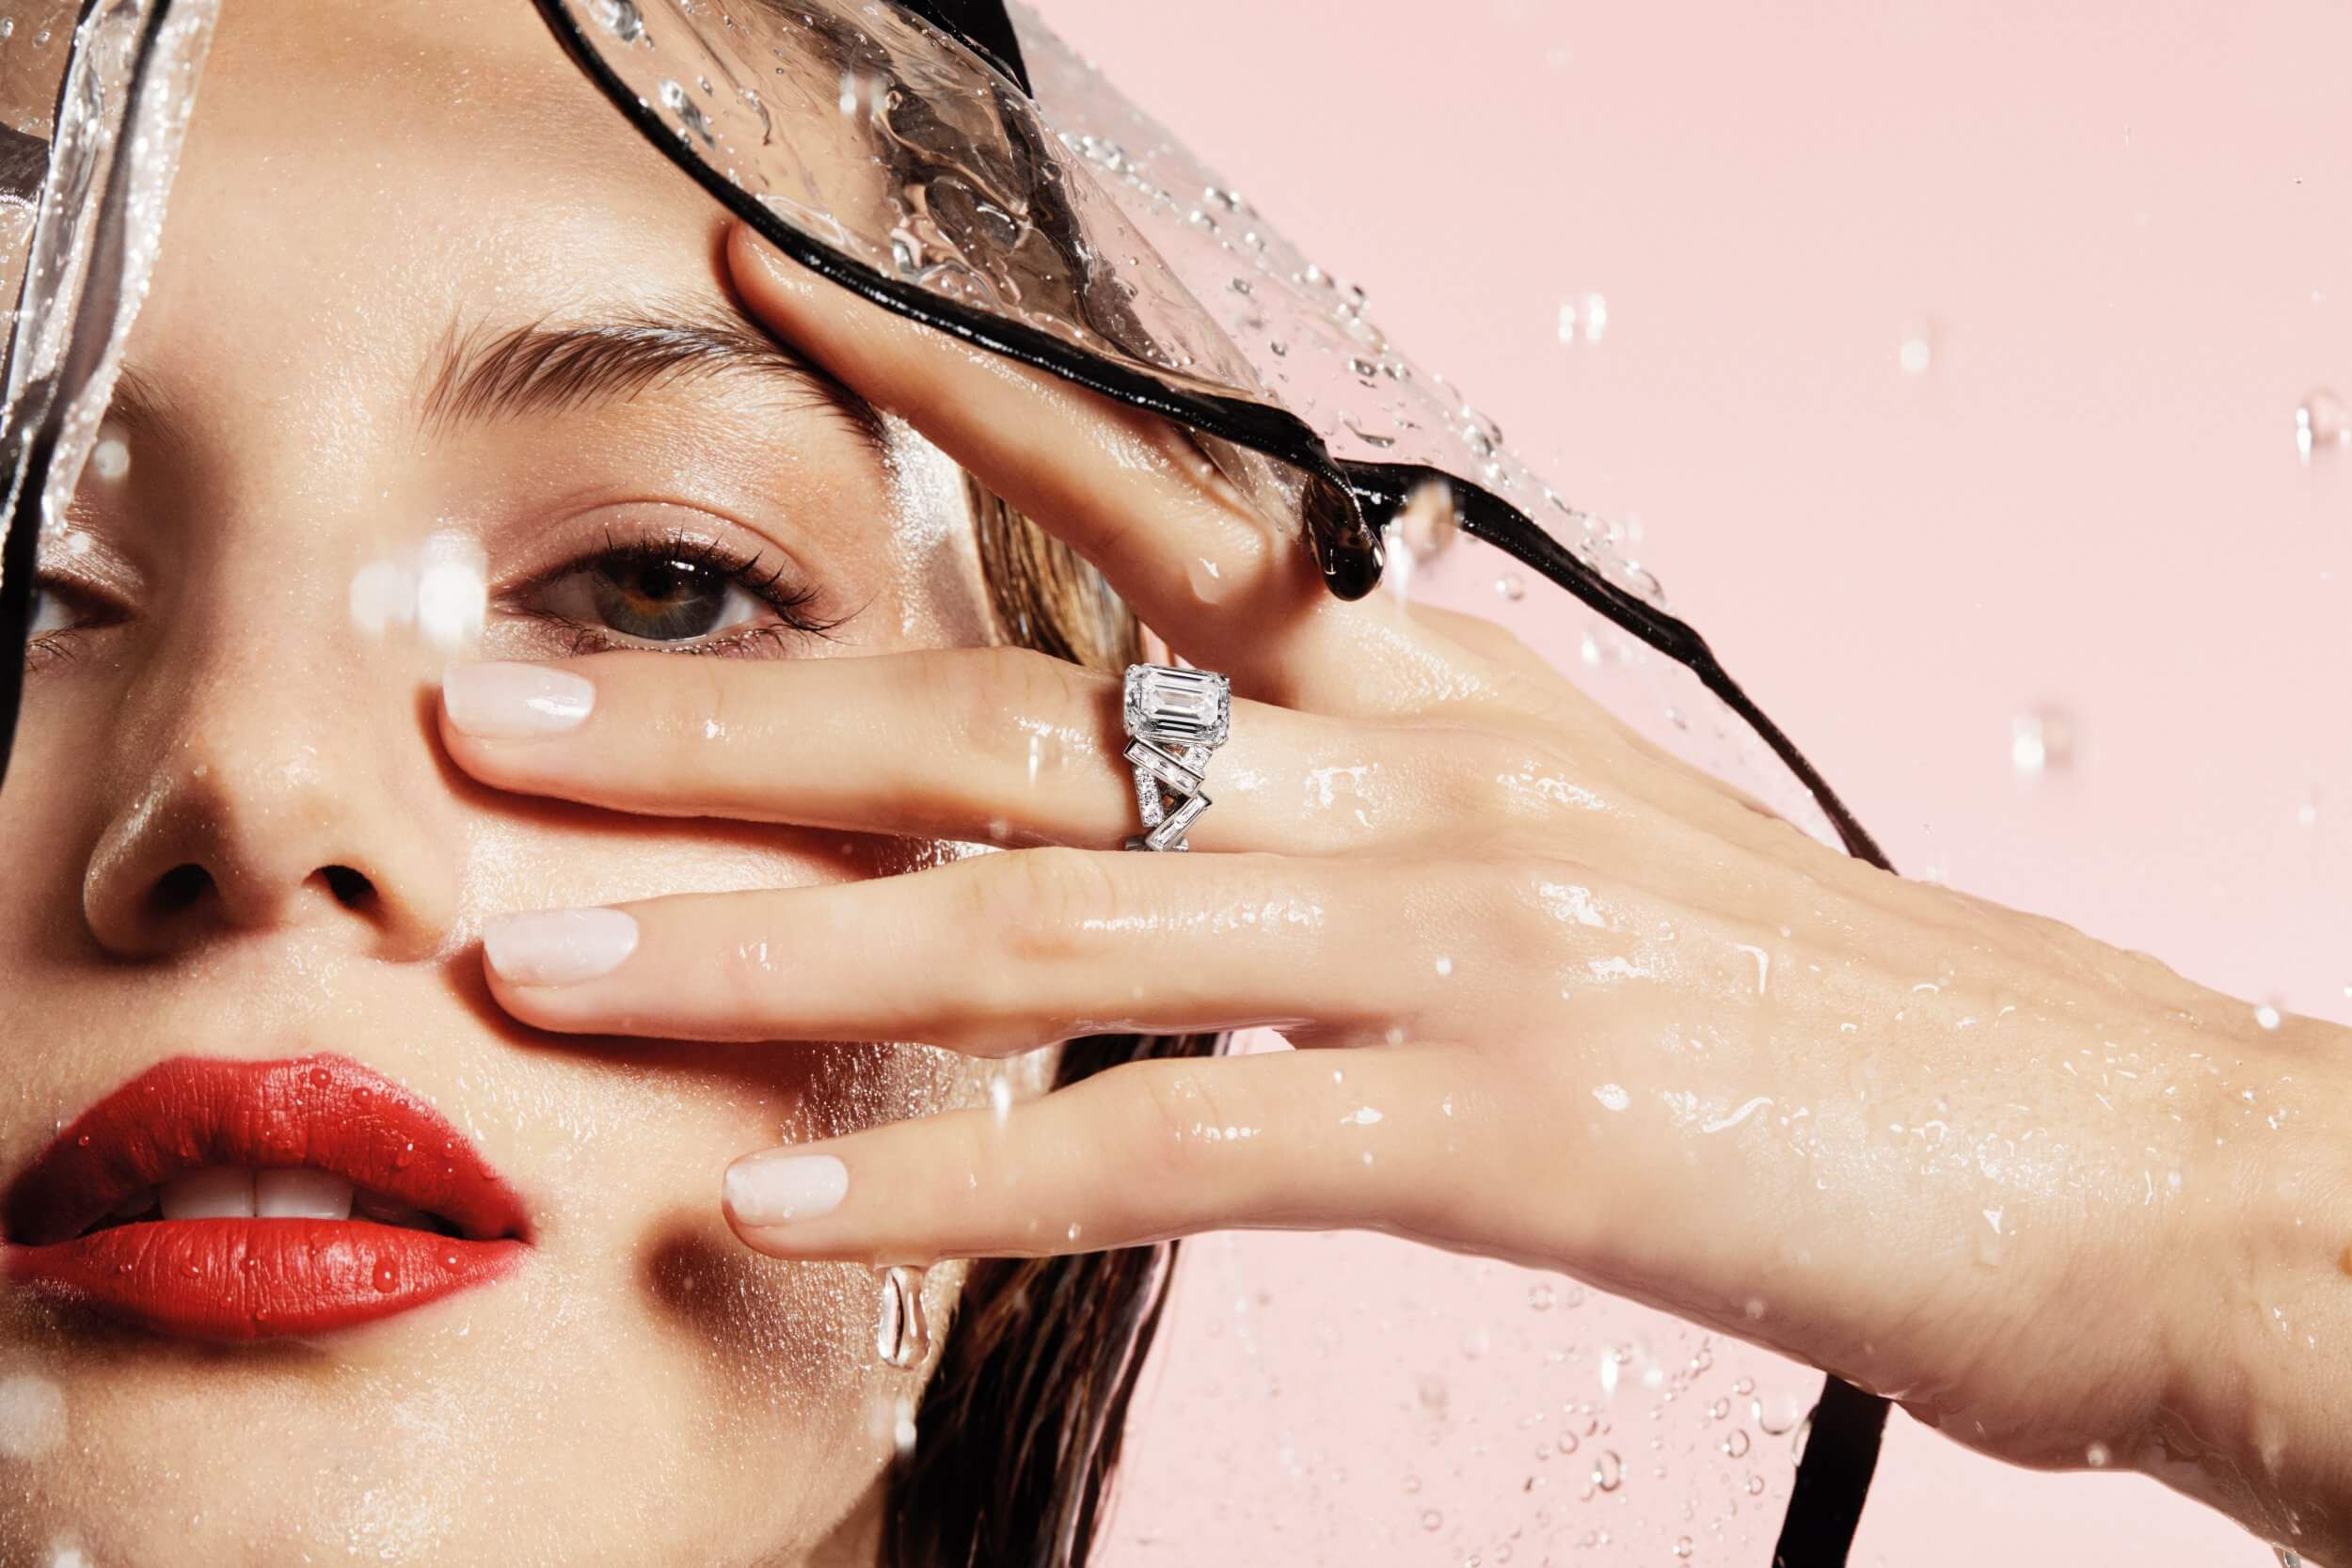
2096, 1456
1607, 1471
2322, 423
1755, 1484
2041, 742
1803, 1433
2288, 1557
902, 1333
387, 1276
1511, 586
902, 1430
1682, 1545
1916, 354
1430, 1519
1541, 1297
1736, 1446
2266, 1016
406, 1157
111, 458
1444, 966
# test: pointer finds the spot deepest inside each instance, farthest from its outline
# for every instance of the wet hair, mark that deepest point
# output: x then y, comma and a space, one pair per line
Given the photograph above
1019, 1432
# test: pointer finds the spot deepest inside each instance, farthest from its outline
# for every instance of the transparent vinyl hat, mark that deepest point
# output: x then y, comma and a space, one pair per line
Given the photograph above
957, 165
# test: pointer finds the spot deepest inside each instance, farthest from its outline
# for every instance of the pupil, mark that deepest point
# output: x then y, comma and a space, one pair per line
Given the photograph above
661, 600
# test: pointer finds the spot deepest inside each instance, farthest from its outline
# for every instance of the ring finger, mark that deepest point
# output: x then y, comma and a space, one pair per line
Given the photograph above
1003, 953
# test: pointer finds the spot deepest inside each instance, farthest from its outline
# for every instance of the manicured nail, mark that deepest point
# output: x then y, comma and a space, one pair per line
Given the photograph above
515, 702
776, 1189
558, 947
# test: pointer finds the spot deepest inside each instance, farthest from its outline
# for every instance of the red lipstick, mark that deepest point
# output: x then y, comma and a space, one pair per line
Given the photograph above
248, 1278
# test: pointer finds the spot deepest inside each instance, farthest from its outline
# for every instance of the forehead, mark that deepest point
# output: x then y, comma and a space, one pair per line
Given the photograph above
356, 176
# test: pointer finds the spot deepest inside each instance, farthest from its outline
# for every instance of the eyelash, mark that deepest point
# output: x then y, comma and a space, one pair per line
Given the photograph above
791, 603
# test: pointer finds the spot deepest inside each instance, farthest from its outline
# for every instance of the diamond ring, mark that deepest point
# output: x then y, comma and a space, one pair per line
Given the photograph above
1175, 718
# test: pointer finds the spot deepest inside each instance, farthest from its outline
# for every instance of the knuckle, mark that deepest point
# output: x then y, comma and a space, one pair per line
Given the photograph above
1042, 905
1175, 1118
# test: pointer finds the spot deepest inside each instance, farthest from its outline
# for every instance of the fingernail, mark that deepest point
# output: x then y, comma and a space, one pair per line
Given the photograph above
559, 947
775, 1189
515, 702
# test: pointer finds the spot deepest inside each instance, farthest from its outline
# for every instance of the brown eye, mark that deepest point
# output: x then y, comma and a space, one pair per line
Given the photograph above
652, 597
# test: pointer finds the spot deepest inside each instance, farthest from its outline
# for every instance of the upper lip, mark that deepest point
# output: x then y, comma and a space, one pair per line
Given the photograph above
324, 1111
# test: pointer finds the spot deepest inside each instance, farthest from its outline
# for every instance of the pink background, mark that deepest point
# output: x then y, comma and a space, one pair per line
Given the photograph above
2122, 231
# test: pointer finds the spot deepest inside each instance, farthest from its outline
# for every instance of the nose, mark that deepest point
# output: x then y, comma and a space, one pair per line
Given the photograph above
259, 811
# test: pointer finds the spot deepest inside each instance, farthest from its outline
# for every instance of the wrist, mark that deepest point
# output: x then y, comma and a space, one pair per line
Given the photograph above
2254, 1290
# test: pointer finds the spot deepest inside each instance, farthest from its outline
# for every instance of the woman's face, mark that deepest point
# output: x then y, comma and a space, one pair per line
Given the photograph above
427, 310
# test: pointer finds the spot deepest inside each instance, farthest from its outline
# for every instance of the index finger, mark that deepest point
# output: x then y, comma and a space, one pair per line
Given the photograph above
1137, 496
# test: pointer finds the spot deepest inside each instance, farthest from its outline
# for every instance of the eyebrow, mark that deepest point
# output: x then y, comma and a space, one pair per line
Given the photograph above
551, 366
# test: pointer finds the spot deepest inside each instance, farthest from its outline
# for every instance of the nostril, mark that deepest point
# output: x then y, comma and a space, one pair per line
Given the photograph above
179, 888
352, 889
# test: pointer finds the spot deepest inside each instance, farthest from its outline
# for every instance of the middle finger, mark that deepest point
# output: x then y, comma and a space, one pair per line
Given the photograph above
999, 745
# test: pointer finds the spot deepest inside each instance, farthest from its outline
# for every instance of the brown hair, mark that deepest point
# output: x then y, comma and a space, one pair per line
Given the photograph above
1019, 1432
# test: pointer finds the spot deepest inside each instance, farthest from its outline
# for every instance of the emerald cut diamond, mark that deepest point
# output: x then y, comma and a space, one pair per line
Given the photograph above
1178, 708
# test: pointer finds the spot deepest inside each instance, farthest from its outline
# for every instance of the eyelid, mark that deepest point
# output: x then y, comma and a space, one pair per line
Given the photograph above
754, 562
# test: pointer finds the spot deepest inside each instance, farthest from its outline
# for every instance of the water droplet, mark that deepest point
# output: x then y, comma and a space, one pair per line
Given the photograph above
622, 19
1412, 1484
903, 1428
902, 1335
1430, 1519
387, 1276
1803, 1433
1682, 1545
1444, 966
1430, 1391
1777, 1415
2096, 1456
689, 113
1511, 586
82, 1142
2322, 423
1918, 354
2265, 1014
2040, 740
2288, 1557
1586, 316
1541, 1297
1607, 1471
111, 458
1755, 1484
406, 1157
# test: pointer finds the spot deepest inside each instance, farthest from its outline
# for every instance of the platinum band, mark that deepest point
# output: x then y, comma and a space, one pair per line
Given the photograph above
1174, 720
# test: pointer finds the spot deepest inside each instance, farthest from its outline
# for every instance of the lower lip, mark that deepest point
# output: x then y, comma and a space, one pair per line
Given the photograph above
239, 1279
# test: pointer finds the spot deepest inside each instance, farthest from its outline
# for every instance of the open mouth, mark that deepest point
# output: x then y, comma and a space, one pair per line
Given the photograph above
238, 1200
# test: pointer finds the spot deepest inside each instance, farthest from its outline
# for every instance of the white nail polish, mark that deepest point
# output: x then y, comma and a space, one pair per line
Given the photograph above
559, 947
776, 1189
515, 702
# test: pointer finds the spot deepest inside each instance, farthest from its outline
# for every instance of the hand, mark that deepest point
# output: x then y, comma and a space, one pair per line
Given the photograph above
1573, 1004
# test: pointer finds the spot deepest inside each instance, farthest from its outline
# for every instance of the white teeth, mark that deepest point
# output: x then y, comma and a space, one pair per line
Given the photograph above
301, 1193
136, 1204
222, 1191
